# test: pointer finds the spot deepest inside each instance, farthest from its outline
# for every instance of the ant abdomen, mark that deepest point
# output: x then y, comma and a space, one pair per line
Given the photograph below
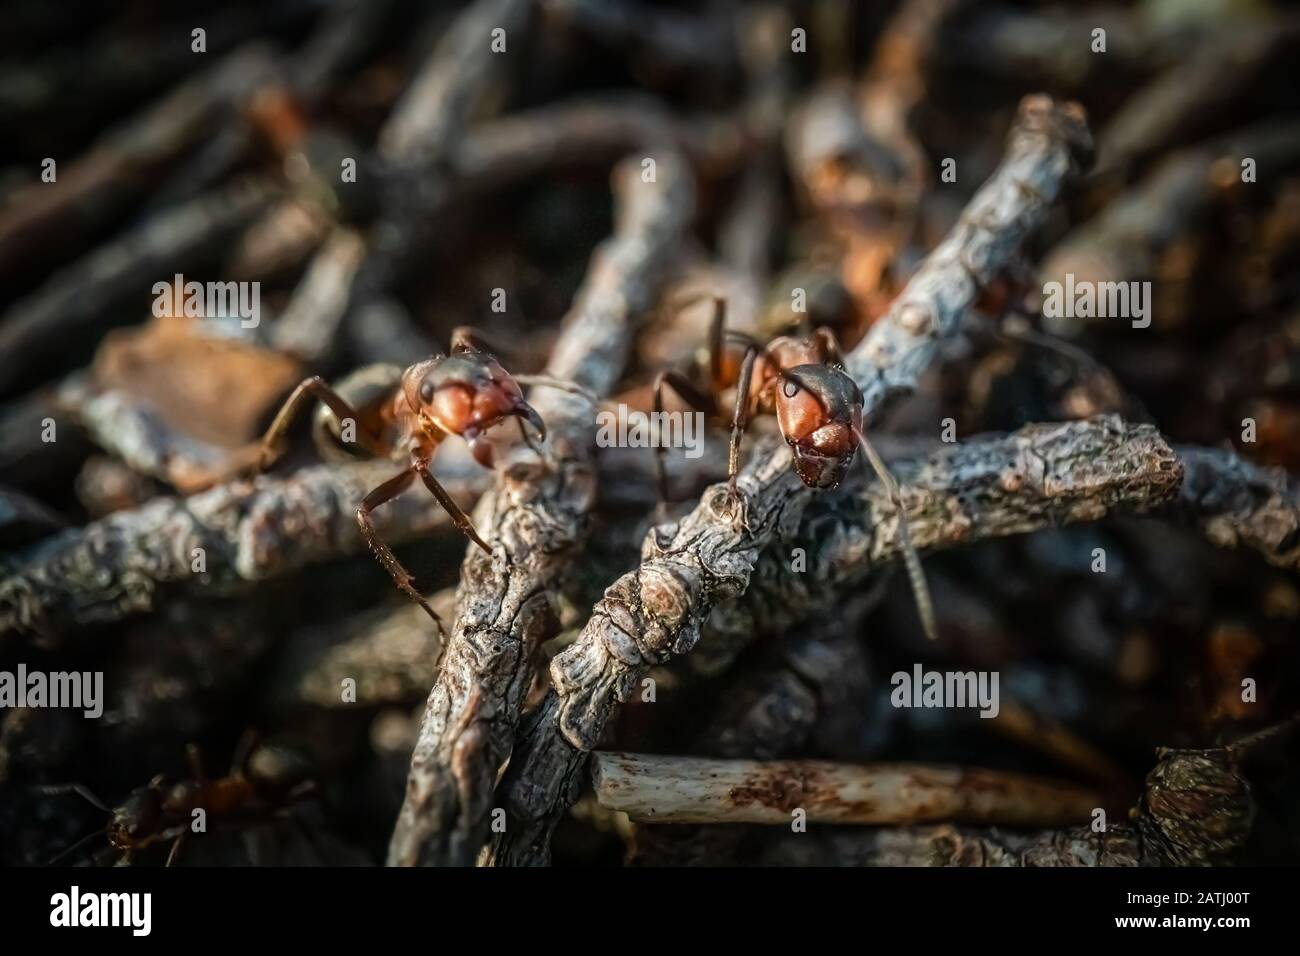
368, 390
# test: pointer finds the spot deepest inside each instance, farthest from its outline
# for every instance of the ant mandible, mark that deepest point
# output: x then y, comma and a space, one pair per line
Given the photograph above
405, 416
156, 812
818, 408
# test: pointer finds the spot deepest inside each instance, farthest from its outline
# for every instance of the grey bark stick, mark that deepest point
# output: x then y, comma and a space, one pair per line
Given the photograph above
691, 566
536, 518
437, 105
1241, 504
1125, 242
77, 303
129, 155
248, 531
990, 486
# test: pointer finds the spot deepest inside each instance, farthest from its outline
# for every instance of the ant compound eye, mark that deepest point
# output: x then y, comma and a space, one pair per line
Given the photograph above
790, 389
426, 391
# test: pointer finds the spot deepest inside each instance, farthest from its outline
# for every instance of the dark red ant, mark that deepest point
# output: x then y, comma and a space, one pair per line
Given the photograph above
818, 408
158, 812
405, 416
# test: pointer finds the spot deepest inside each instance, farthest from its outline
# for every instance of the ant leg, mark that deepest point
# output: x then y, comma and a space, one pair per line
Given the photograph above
529, 440
692, 396
466, 338
389, 490
195, 760
830, 345
546, 381
462, 520
248, 741
717, 344
54, 790
314, 387
79, 844
298, 791
915, 574
741, 416
175, 853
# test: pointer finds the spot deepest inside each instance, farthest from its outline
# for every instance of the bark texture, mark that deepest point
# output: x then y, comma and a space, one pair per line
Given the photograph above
707, 557
536, 517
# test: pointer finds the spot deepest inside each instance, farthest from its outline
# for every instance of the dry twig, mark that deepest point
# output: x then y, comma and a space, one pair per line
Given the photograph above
699, 790
708, 556
536, 517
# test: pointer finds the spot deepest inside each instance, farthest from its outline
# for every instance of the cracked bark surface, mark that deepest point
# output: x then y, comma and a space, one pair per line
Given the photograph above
536, 517
689, 567
248, 530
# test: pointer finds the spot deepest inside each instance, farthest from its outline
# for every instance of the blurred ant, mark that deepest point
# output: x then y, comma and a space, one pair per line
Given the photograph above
818, 408
405, 416
157, 812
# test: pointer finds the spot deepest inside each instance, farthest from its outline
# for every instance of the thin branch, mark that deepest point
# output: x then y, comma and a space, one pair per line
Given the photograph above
1197, 810
69, 313
700, 790
245, 531
990, 486
536, 518
1240, 504
688, 568
462, 66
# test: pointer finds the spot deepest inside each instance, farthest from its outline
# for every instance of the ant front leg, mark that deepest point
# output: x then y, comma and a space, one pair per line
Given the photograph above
740, 418
405, 582
692, 396
175, 853
458, 516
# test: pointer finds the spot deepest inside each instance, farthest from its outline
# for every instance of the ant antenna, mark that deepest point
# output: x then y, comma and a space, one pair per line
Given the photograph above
54, 790
545, 381
69, 851
912, 561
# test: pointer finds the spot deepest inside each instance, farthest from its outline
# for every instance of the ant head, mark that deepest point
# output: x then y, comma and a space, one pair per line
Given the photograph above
818, 407
136, 818
465, 394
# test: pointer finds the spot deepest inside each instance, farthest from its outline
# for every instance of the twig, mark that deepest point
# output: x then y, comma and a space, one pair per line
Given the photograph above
1176, 106
1126, 241
89, 190
536, 519
247, 531
1239, 504
418, 138
594, 129
1197, 810
698, 790
990, 486
311, 320
669, 38
688, 568
78, 302
462, 66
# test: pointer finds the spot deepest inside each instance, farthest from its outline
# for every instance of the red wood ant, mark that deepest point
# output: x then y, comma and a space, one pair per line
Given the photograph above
818, 408
158, 812
405, 416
